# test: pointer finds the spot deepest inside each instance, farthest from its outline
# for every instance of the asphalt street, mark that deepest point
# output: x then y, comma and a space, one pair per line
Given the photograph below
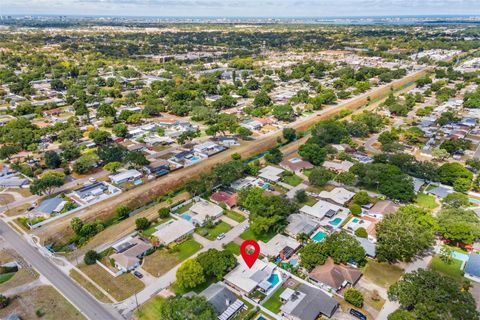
91, 308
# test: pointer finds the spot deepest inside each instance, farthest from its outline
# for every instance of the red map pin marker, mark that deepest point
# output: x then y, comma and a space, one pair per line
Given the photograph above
250, 256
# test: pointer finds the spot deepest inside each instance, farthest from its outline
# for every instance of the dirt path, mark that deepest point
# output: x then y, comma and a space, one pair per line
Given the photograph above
143, 194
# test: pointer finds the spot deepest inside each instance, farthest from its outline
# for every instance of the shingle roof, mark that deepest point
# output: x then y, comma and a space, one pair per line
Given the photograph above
334, 275
308, 302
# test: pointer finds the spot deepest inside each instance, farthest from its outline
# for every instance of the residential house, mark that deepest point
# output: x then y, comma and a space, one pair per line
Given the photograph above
227, 198
338, 166
173, 231
158, 168
129, 252
50, 206
203, 210
246, 280
441, 191
252, 125
322, 209
472, 267
227, 141
91, 191
270, 173
13, 182
382, 208
208, 148
125, 176
338, 195
300, 223
279, 246
334, 277
307, 303
224, 302
296, 165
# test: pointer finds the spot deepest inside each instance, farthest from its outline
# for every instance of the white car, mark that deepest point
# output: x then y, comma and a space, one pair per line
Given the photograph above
92, 179
221, 236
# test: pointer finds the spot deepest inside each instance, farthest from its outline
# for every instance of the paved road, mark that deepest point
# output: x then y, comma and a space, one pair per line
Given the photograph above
82, 300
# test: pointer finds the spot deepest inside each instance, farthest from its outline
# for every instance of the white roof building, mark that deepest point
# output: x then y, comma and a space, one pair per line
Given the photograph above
271, 173
125, 176
337, 195
203, 209
248, 279
173, 230
323, 209
277, 244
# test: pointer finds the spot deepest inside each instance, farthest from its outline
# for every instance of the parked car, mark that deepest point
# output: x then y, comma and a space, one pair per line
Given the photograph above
92, 179
221, 236
138, 274
358, 314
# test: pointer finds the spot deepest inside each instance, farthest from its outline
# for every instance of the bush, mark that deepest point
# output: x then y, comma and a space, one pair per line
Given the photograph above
355, 209
361, 232
91, 257
142, 223
163, 213
123, 211
354, 297
4, 301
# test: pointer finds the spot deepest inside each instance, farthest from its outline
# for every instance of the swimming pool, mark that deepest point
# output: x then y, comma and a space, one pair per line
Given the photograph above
335, 221
355, 220
265, 186
319, 236
459, 256
261, 318
473, 200
195, 158
293, 262
274, 279
186, 216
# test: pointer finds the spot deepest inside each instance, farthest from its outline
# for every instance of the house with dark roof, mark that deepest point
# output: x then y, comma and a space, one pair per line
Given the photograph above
295, 165
158, 168
224, 302
307, 303
49, 206
334, 277
472, 267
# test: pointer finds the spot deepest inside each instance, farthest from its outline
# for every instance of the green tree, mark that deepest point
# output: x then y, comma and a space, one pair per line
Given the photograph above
216, 263
459, 225
344, 248
449, 172
52, 159
183, 308
361, 232
455, 200
123, 211
423, 293
136, 158
354, 297
85, 163
362, 198
190, 274
163, 213
112, 166
99, 137
313, 254
274, 156
289, 134
91, 257
320, 176
142, 223
120, 130
313, 153
47, 183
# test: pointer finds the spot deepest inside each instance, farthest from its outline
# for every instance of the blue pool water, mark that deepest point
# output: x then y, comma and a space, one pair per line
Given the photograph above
293, 262
265, 186
473, 200
261, 318
335, 221
459, 256
186, 216
274, 279
319, 236
195, 158
355, 220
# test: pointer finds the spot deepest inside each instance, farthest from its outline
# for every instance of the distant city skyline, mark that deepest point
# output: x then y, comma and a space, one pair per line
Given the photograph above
245, 8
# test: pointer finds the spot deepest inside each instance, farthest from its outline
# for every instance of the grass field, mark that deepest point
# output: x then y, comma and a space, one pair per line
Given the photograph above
273, 304
426, 201
292, 180
233, 248
221, 227
248, 234
162, 260
382, 274
452, 270
150, 310
235, 216
89, 287
17, 210
6, 276
120, 287
6, 199
44, 300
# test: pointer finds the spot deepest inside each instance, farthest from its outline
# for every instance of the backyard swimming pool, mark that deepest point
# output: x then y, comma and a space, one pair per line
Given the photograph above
319, 236
195, 158
186, 216
293, 262
274, 279
355, 220
335, 221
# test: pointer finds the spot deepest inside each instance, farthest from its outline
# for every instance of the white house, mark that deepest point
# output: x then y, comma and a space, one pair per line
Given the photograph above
125, 176
173, 231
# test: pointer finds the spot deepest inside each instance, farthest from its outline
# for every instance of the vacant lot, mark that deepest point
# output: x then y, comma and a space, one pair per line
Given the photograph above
42, 301
382, 274
89, 287
120, 287
150, 310
248, 234
163, 260
426, 201
212, 233
17, 210
235, 215
452, 269
233, 248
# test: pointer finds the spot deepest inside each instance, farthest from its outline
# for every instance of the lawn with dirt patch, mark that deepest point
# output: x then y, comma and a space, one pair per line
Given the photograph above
163, 260
382, 274
233, 248
150, 310
120, 287
44, 301
6, 199
18, 209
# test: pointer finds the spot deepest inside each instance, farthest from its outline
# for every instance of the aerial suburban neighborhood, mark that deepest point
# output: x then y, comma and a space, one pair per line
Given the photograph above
144, 162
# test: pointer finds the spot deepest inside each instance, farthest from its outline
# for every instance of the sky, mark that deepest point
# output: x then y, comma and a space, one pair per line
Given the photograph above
242, 8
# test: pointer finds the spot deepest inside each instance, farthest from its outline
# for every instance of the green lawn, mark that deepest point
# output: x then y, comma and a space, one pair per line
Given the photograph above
148, 232
453, 269
292, 180
426, 201
311, 201
6, 276
184, 209
233, 248
382, 274
235, 215
150, 310
273, 304
248, 234
212, 234
187, 248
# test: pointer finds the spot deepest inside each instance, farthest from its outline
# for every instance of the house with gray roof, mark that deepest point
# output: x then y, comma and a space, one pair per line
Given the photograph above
441, 191
49, 206
224, 302
300, 223
472, 267
307, 303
